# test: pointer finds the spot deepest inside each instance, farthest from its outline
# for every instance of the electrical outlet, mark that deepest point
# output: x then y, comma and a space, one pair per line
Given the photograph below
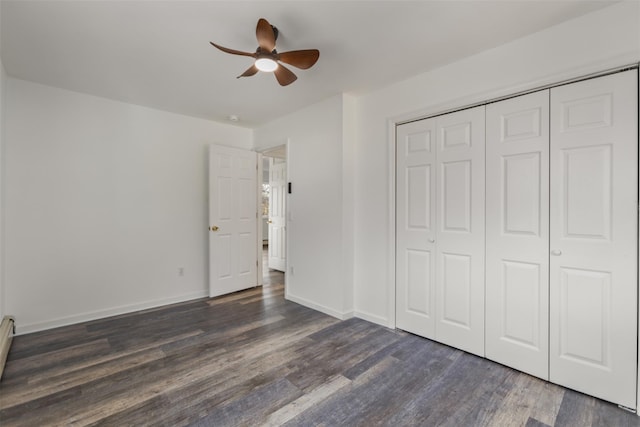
180, 271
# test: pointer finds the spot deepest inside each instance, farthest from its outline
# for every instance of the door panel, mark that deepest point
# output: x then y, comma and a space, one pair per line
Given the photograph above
233, 210
456, 284
586, 214
418, 203
585, 328
415, 227
521, 305
517, 250
460, 233
593, 276
419, 282
277, 214
521, 178
455, 200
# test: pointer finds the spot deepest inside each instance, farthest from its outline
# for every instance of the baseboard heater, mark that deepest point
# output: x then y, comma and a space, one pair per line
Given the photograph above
7, 330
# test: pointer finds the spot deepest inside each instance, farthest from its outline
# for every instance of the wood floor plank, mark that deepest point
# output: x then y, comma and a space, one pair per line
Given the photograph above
338, 355
443, 395
262, 400
532, 422
521, 401
483, 408
392, 385
236, 296
364, 365
306, 401
46, 341
608, 414
47, 361
25, 393
260, 298
475, 400
254, 358
576, 407
547, 400
95, 362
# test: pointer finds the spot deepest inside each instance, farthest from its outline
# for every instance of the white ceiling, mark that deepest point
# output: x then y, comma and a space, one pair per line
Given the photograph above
157, 53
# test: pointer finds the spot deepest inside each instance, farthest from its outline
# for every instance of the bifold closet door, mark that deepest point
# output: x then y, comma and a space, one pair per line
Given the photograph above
517, 248
440, 229
593, 239
460, 229
415, 227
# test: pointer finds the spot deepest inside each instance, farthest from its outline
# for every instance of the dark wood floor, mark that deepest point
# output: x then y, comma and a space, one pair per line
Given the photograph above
252, 358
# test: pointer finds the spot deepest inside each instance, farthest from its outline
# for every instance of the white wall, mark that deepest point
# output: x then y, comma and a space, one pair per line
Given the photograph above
103, 202
316, 229
606, 38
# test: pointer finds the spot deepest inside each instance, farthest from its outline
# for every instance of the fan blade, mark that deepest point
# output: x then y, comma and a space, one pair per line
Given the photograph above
233, 51
284, 75
300, 58
250, 72
264, 34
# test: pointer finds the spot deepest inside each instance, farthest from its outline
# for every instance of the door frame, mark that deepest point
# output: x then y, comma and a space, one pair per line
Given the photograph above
263, 152
494, 95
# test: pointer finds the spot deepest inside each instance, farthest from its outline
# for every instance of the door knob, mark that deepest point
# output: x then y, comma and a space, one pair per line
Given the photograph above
431, 240
214, 228
556, 252
269, 221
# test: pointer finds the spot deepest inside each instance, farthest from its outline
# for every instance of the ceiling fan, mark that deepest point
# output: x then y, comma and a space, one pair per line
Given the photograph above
269, 60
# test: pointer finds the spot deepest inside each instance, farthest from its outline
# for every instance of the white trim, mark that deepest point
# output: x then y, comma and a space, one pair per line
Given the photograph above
287, 213
391, 246
259, 241
321, 308
373, 318
492, 95
265, 152
101, 314
638, 248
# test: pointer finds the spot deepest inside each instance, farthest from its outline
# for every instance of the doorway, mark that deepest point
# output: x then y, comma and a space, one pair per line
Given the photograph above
273, 211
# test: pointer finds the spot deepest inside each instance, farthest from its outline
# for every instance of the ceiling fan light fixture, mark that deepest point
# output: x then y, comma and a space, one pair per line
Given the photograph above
267, 59
266, 64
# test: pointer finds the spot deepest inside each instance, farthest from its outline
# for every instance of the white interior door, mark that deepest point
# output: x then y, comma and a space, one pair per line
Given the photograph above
277, 214
415, 229
517, 239
233, 256
460, 147
593, 263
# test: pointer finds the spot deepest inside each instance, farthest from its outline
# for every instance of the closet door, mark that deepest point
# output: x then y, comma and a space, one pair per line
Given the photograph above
415, 229
517, 248
460, 230
594, 206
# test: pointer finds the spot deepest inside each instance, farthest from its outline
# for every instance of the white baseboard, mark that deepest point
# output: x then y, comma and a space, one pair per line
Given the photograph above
373, 318
100, 314
318, 307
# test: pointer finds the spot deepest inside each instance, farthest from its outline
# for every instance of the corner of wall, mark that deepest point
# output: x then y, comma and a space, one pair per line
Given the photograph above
3, 79
349, 137
374, 318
